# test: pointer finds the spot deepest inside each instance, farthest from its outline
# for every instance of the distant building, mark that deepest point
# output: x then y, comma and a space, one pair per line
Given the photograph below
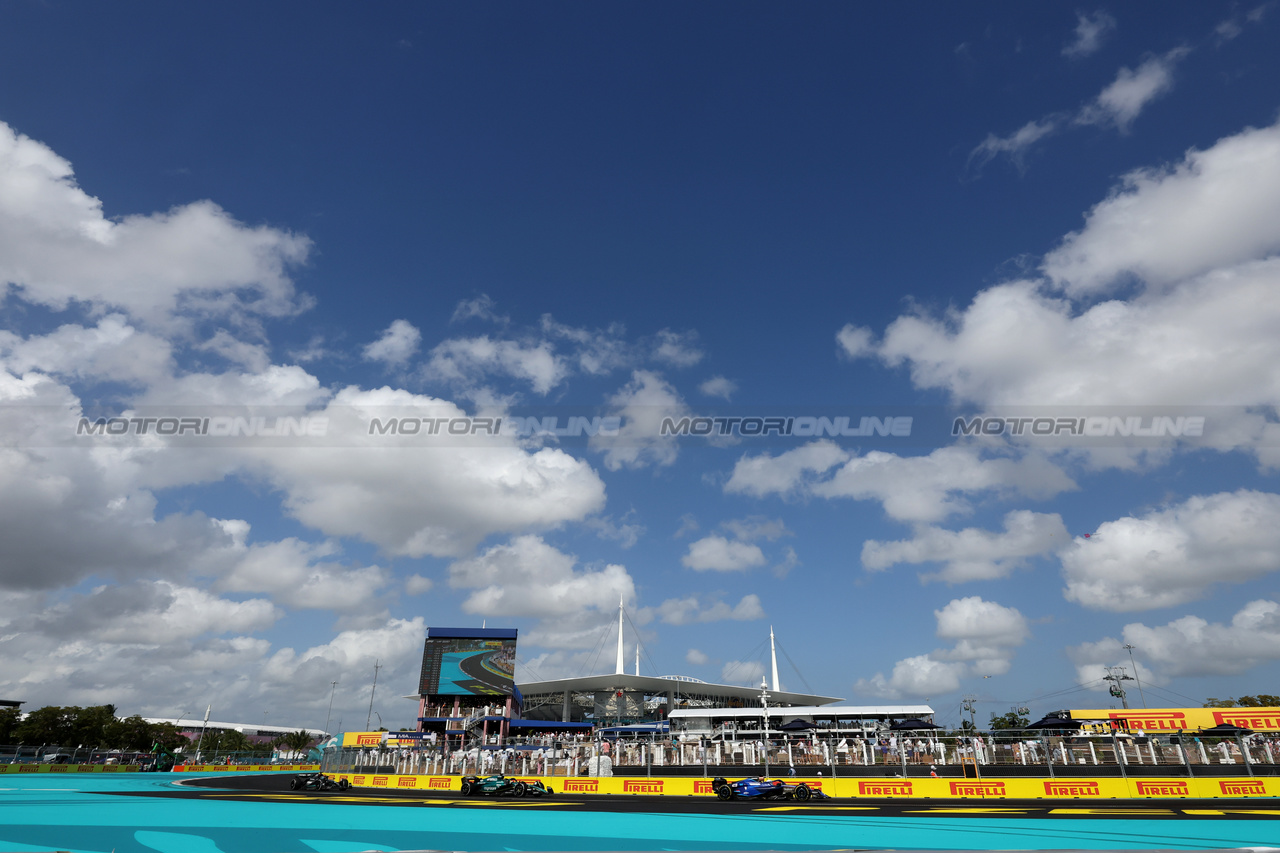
255, 732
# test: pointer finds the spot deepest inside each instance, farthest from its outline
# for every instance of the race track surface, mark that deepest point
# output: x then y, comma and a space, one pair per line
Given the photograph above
258, 813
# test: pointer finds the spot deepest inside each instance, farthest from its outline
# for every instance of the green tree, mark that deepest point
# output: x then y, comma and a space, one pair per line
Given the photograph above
89, 725
1262, 700
298, 741
1220, 703
1013, 720
131, 733
9, 724
48, 725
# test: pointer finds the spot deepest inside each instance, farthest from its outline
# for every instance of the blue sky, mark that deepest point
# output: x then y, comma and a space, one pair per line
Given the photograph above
639, 211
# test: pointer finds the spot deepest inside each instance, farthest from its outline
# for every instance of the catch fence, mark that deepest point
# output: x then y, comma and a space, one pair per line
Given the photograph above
1185, 754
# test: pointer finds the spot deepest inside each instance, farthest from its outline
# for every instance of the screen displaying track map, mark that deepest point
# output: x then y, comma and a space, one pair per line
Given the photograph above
483, 666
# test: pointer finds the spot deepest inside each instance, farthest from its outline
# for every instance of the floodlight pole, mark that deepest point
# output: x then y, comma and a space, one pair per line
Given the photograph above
1136, 678
764, 703
329, 716
369, 719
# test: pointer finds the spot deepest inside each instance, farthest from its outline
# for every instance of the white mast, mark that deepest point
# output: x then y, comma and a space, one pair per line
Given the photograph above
621, 669
773, 654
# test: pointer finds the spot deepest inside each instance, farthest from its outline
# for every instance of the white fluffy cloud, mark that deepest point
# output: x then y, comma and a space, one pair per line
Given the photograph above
745, 672
396, 345
1188, 646
469, 361
693, 609
642, 404
1173, 555
984, 635
57, 247
910, 488
718, 386
440, 501
718, 554
526, 577
972, 554
1215, 209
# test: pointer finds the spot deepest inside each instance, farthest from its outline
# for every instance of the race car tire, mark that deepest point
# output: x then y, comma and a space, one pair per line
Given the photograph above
466, 789
519, 789
343, 784
802, 793
724, 792
293, 784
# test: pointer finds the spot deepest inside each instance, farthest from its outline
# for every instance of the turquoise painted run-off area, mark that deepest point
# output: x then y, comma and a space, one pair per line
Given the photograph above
96, 815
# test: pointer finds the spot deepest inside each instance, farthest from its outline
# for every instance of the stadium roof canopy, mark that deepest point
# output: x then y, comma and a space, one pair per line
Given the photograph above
679, 687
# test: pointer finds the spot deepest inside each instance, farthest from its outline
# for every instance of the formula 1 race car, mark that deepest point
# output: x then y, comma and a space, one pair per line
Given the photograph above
317, 782
499, 785
760, 788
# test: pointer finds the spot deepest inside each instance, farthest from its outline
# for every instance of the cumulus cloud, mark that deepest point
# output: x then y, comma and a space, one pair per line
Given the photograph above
1161, 559
718, 386
695, 657
915, 677
296, 573
693, 609
718, 554
984, 636
972, 554
745, 672
396, 345
1213, 210
467, 362
788, 473
438, 503
910, 488
526, 577
1091, 31
641, 404
1188, 646
57, 247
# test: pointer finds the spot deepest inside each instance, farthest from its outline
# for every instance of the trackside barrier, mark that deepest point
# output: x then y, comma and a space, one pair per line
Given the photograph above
854, 788
244, 768
70, 768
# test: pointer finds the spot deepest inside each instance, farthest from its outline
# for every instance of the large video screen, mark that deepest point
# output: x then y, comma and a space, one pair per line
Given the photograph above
468, 662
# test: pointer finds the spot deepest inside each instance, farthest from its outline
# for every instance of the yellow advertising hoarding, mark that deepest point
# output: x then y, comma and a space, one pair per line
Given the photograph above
363, 738
1158, 720
876, 788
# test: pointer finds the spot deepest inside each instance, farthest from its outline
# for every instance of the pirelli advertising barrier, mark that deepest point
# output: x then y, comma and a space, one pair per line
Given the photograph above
1190, 720
853, 788
244, 768
70, 768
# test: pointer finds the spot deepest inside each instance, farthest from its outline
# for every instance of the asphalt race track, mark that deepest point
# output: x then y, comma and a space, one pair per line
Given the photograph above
260, 788
258, 813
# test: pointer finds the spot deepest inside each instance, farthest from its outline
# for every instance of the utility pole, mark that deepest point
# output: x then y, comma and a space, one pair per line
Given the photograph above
967, 702
369, 719
1115, 674
1129, 647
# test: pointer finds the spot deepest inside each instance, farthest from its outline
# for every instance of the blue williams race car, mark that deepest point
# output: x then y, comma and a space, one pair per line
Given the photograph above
760, 788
